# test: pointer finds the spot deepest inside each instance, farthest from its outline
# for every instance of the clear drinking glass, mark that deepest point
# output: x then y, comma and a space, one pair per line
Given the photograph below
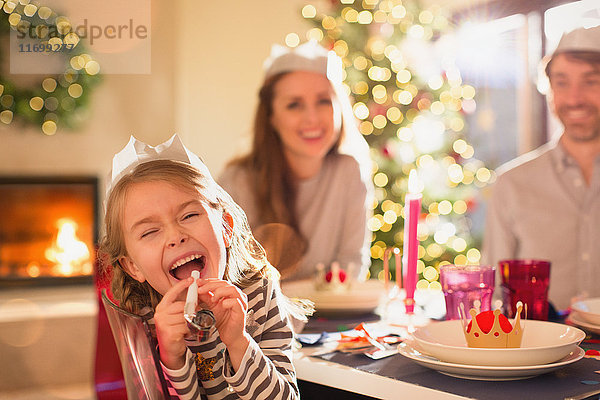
470, 285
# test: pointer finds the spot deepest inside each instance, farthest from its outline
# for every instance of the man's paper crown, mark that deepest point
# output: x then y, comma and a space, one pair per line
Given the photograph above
137, 152
580, 39
309, 56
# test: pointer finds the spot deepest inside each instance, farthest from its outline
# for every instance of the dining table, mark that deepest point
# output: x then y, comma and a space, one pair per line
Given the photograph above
325, 374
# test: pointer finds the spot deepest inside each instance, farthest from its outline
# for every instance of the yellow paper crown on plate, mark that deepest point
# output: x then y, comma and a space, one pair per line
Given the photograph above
496, 337
336, 279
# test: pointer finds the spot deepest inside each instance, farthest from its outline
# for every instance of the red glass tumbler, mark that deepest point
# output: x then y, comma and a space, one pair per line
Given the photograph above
526, 281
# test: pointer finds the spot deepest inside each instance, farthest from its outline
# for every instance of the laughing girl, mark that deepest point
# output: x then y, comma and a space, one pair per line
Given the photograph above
166, 217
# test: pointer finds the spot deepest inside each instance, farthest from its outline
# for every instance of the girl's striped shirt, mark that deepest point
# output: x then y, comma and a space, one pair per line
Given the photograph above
266, 371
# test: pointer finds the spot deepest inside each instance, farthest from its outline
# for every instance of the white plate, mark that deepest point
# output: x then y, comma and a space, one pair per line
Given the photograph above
589, 310
362, 297
543, 343
488, 373
575, 319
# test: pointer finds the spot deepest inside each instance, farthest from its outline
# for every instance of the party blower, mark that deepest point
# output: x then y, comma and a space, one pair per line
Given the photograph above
200, 322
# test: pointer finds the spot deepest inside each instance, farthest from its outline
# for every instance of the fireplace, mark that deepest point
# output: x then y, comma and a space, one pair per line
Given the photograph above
48, 230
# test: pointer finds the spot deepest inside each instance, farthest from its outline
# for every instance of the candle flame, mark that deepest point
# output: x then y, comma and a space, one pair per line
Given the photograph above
414, 184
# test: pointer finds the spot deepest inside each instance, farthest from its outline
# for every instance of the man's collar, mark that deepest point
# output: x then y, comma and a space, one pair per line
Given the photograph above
560, 157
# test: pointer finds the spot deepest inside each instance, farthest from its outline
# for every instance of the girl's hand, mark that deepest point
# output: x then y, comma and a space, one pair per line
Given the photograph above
171, 327
229, 305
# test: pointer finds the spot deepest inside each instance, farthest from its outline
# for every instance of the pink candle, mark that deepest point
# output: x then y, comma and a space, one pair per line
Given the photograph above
412, 210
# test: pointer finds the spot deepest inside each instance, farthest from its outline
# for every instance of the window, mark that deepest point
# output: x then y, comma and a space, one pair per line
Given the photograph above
500, 47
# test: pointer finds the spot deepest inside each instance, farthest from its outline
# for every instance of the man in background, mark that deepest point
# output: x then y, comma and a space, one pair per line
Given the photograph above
546, 203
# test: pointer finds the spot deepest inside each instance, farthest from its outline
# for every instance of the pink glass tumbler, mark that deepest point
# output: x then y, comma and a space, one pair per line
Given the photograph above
470, 285
526, 281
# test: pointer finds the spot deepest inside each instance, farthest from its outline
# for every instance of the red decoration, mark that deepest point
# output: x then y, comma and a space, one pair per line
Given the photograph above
457, 157
342, 276
471, 204
485, 320
386, 151
377, 109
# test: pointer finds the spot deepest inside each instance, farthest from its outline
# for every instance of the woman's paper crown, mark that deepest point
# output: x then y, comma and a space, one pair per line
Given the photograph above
137, 152
309, 56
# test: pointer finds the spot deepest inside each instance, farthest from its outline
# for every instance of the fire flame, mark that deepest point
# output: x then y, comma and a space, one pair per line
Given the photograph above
69, 254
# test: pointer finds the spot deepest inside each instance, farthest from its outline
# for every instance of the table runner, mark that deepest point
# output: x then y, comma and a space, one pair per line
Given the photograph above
554, 385
576, 378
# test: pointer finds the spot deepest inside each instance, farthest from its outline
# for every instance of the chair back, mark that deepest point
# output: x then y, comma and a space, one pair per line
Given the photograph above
108, 376
137, 352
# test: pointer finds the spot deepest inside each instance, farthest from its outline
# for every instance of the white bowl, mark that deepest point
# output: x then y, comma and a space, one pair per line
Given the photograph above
576, 320
589, 310
362, 297
543, 343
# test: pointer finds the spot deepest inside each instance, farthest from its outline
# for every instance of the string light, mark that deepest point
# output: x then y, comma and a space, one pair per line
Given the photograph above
483, 174
379, 16
473, 256
366, 128
380, 179
394, 114
379, 121
360, 63
361, 111
399, 11
430, 273
459, 207
365, 17
351, 15
379, 92
328, 22
292, 40
309, 11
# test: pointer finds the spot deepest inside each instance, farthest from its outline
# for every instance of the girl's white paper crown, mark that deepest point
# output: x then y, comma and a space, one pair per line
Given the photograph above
309, 56
137, 152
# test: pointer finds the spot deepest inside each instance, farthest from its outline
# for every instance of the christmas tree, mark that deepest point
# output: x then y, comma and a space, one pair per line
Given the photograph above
411, 104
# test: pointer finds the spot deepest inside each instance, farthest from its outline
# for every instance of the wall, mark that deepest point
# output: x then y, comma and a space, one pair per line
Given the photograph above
219, 70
